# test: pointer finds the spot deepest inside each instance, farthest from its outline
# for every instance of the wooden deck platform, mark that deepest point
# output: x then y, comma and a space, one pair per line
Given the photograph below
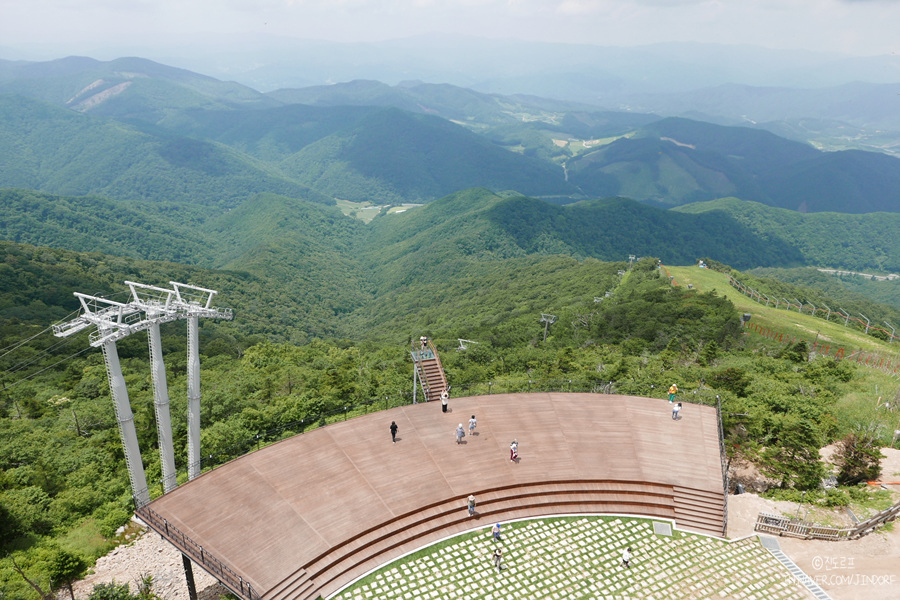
309, 514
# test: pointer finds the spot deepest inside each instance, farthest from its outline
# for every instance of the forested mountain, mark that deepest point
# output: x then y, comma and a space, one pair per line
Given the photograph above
394, 156
59, 151
672, 162
842, 241
94, 224
479, 225
167, 135
126, 88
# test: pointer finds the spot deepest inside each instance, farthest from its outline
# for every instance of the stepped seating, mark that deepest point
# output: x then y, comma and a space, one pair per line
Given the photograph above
332, 570
699, 510
312, 513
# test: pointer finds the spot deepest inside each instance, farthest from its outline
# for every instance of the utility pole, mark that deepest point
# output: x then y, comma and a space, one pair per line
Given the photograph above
827, 318
867, 322
846, 316
547, 320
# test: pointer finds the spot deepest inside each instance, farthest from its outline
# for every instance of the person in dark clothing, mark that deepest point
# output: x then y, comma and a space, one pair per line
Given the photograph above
394, 431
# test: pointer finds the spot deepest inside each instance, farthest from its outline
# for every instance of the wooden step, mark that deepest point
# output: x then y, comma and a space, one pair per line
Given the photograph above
380, 545
337, 581
292, 587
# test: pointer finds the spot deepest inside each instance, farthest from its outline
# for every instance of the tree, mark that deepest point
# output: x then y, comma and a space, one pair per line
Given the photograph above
858, 458
111, 591
64, 567
44, 595
793, 459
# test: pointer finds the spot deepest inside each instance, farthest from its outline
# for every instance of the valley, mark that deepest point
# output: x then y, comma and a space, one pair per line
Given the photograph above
343, 221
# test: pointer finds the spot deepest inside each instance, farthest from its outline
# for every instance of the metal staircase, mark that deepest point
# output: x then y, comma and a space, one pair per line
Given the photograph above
428, 371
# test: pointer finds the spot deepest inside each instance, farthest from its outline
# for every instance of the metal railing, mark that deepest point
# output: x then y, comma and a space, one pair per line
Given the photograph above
195, 552
786, 526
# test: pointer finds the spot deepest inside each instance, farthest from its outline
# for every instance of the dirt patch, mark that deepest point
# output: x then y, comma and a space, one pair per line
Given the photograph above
863, 569
149, 554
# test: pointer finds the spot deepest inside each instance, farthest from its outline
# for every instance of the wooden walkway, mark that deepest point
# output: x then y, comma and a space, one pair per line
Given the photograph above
307, 515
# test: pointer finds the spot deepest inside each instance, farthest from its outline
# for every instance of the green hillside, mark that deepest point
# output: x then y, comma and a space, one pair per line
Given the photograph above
126, 88
843, 241
391, 157
792, 323
672, 162
270, 134
477, 225
94, 224
58, 151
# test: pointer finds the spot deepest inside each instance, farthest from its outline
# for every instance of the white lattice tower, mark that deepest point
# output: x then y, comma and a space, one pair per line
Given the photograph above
157, 305
195, 302
114, 321
150, 306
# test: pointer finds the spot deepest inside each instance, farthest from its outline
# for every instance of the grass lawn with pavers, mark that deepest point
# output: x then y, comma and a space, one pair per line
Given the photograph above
580, 557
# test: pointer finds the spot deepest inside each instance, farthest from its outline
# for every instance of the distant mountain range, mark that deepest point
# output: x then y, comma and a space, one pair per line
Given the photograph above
157, 133
134, 159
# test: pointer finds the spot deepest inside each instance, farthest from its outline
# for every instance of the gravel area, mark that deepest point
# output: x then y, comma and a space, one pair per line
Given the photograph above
148, 554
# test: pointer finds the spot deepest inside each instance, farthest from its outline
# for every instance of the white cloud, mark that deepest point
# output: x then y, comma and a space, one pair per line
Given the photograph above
852, 26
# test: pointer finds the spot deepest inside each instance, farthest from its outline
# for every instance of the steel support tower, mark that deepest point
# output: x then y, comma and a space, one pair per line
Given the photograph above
149, 307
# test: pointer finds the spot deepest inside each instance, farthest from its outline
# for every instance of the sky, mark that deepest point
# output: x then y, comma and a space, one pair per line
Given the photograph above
853, 27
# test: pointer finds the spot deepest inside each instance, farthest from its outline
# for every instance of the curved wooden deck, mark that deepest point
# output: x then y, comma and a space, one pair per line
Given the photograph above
307, 515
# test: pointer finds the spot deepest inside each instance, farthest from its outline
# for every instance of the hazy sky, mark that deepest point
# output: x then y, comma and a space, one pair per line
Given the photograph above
860, 27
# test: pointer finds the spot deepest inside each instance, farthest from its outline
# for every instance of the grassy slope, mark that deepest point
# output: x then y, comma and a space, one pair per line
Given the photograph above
792, 323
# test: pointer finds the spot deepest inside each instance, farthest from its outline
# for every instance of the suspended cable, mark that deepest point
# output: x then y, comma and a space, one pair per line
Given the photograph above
14, 346
44, 353
25, 341
36, 373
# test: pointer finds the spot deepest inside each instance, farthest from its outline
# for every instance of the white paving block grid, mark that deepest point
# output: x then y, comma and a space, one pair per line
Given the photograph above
581, 558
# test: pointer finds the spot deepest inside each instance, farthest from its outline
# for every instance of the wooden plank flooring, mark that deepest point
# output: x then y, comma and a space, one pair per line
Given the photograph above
271, 512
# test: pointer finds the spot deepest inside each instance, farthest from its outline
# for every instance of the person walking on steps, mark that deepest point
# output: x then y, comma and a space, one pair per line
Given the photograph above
673, 389
471, 505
